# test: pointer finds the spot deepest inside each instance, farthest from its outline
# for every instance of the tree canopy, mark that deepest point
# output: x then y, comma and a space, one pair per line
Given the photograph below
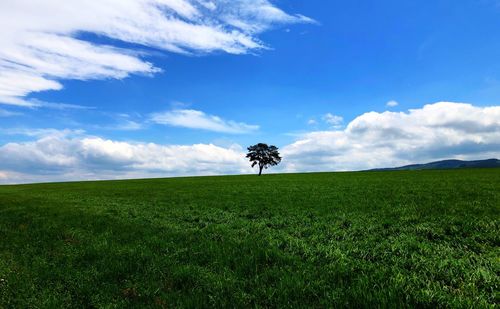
263, 155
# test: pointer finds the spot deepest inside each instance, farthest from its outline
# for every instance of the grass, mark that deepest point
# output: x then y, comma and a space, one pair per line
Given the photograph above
368, 239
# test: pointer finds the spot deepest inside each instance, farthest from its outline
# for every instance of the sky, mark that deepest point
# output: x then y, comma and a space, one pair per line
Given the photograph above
116, 89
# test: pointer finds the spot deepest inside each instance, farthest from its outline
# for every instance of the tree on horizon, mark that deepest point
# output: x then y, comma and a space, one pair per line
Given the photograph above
263, 155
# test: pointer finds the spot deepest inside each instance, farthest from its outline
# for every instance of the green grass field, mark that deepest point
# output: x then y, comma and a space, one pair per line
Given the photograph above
374, 239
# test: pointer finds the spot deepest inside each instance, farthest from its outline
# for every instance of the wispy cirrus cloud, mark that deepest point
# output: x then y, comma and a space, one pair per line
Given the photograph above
35, 104
6, 113
39, 133
41, 44
194, 119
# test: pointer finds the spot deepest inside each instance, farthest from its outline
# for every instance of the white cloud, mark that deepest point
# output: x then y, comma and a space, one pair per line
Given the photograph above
121, 122
194, 119
332, 119
128, 125
60, 156
40, 132
436, 131
41, 42
256, 15
6, 113
392, 103
34, 103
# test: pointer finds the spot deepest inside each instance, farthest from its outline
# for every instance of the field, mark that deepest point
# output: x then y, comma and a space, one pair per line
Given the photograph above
367, 239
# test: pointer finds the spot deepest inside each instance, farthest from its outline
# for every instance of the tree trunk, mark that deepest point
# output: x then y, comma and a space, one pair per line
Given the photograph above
260, 170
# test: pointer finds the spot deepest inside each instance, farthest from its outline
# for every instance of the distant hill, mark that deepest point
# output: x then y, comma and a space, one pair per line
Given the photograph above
445, 164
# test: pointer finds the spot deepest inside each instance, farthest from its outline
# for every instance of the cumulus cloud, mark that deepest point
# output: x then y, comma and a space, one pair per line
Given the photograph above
63, 155
392, 103
333, 120
193, 119
42, 42
436, 131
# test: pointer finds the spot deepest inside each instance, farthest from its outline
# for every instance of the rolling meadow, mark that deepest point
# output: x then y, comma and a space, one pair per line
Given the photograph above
362, 239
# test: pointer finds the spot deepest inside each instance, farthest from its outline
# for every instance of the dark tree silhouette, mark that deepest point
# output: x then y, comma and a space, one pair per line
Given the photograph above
263, 155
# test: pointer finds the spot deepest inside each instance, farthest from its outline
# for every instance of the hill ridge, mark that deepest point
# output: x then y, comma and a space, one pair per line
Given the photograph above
445, 164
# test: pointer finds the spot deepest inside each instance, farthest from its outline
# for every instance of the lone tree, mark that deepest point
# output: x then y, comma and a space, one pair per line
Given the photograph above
263, 155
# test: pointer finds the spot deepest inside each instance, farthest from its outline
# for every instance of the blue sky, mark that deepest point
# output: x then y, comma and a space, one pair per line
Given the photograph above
306, 73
